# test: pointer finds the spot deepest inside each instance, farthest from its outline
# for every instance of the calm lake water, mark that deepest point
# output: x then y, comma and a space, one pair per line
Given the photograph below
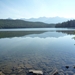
44, 49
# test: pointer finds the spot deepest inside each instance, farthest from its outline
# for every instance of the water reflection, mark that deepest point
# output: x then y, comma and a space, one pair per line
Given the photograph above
10, 34
41, 34
71, 32
43, 50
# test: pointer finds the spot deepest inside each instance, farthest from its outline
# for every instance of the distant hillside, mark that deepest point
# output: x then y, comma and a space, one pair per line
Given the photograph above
9, 23
68, 24
47, 20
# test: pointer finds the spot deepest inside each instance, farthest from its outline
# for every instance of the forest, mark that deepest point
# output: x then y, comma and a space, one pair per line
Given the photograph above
9, 23
6, 23
68, 24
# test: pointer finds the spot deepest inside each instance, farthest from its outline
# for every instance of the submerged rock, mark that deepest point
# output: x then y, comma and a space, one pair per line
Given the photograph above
67, 67
36, 72
2, 73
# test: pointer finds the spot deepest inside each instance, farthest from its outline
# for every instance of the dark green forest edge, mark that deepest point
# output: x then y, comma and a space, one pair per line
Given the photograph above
68, 24
7, 23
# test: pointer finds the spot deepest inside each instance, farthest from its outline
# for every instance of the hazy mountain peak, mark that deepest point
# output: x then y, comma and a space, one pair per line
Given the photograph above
48, 19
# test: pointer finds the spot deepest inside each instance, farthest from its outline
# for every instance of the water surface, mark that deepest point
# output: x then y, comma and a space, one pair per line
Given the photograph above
40, 49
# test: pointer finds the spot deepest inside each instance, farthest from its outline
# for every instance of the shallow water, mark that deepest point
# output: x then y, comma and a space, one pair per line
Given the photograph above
37, 49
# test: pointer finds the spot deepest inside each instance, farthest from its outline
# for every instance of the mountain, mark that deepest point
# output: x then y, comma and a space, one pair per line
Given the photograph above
49, 20
9, 23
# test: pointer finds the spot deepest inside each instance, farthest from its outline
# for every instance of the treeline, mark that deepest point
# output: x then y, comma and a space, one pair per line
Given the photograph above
68, 24
7, 23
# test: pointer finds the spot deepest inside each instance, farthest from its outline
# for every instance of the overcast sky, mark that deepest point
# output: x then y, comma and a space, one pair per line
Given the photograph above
37, 8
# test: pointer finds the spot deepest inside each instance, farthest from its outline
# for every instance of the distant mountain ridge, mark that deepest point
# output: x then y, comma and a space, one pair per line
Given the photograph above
49, 20
10, 23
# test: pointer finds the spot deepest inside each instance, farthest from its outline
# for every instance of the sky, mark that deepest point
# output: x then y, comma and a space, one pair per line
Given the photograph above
17, 9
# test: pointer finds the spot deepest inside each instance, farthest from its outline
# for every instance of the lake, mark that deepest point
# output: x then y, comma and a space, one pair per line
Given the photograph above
46, 49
